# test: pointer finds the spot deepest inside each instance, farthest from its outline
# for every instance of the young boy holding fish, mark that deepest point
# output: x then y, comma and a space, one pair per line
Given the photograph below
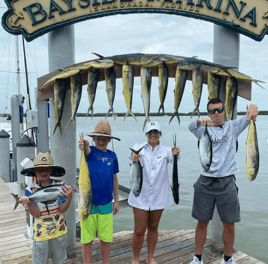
216, 184
103, 169
47, 202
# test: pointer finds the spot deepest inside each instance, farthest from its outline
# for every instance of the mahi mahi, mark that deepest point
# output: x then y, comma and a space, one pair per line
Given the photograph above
214, 85
85, 189
136, 175
205, 150
163, 84
180, 81
252, 152
175, 178
76, 93
60, 89
231, 97
97, 64
146, 81
110, 79
198, 79
92, 83
128, 82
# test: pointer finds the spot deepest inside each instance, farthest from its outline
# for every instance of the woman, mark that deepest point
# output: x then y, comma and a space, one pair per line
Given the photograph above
155, 193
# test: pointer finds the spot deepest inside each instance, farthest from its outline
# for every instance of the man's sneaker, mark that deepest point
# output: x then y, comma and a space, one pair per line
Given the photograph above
230, 261
196, 261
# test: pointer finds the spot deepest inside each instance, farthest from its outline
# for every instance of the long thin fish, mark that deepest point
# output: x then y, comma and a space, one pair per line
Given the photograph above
92, 83
60, 89
180, 81
146, 81
97, 64
214, 85
85, 189
205, 150
128, 82
110, 79
198, 79
163, 84
231, 97
136, 175
252, 152
76, 93
175, 178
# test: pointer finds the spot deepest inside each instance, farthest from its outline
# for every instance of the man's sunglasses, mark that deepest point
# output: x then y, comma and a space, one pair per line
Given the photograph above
156, 132
218, 109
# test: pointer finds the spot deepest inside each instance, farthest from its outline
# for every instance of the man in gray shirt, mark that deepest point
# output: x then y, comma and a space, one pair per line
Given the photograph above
217, 185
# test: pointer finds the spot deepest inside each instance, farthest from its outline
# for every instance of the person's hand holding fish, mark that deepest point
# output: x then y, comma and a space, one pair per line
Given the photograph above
135, 157
67, 191
252, 112
24, 200
205, 122
175, 151
84, 144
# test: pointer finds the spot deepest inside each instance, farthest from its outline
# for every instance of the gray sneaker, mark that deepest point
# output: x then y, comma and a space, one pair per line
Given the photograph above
196, 261
230, 261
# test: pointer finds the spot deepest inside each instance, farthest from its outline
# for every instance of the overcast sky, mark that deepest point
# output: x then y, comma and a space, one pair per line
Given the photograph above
136, 33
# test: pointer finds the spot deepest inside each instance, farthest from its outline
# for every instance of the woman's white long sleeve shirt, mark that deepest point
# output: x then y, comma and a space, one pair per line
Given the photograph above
155, 193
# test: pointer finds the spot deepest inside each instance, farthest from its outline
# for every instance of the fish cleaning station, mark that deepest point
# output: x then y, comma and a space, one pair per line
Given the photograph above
66, 80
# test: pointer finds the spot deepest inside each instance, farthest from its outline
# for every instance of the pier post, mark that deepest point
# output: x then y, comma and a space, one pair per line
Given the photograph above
225, 52
61, 53
5, 156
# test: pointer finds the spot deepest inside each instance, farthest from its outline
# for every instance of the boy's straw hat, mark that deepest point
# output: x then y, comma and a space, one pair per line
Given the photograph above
44, 160
102, 129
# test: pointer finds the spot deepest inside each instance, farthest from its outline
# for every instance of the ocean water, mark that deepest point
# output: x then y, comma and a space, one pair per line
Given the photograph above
251, 232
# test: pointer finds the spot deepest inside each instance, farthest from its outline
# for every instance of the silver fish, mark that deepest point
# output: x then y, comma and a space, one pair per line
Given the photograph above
146, 81
136, 175
76, 93
110, 79
180, 81
163, 84
93, 79
205, 150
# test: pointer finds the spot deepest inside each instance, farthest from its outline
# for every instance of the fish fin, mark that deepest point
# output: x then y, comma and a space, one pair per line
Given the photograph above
175, 114
161, 107
17, 200
56, 126
98, 55
147, 119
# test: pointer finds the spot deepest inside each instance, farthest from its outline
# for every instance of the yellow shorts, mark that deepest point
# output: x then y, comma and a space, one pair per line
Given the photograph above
101, 220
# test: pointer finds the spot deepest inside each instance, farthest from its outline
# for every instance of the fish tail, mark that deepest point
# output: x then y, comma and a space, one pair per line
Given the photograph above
98, 55
56, 126
71, 120
136, 151
17, 201
90, 109
161, 107
175, 114
147, 119
257, 82
196, 110
133, 115
129, 113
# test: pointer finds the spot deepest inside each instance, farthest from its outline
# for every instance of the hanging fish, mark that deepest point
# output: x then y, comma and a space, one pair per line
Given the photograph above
231, 97
92, 82
110, 79
163, 84
180, 81
146, 81
76, 93
205, 150
214, 85
252, 152
198, 79
97, 64
175, 178
136, 175
60, 89
128, 82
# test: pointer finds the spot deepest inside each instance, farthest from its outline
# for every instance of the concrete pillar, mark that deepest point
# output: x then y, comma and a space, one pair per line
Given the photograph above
225, 52
63, 147
25, 149
5, 156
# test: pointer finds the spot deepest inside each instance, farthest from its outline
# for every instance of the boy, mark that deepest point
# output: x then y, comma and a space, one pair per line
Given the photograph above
103, 169
50, 229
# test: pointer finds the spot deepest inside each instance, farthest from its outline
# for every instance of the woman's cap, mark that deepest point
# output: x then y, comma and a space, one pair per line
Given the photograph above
102, 129
151, 126
44, 160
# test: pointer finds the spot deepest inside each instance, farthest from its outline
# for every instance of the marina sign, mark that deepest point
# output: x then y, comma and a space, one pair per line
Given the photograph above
33, 18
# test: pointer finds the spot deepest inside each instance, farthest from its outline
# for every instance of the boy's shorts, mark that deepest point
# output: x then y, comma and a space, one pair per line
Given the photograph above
223, 192
101, 220
54, 248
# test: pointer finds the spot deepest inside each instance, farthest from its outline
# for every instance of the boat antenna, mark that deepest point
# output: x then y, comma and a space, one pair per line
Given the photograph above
26, 75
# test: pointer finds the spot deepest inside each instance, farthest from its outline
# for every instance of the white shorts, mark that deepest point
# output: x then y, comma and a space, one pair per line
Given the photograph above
54, 248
